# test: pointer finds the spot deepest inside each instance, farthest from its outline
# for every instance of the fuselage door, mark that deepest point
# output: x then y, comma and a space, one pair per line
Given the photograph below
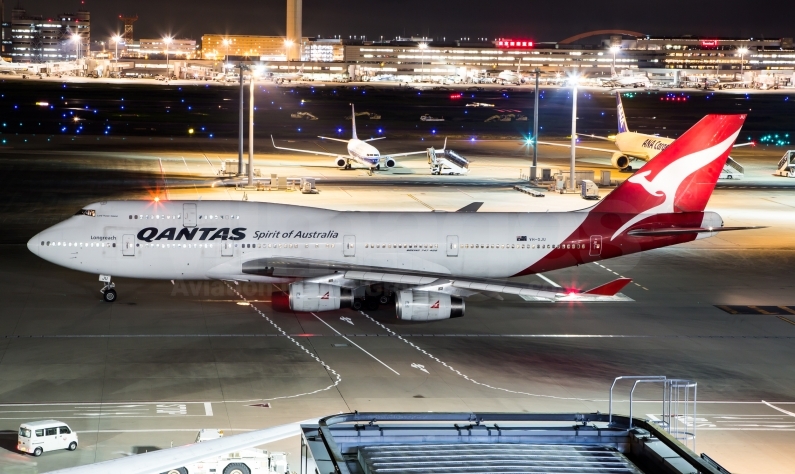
596, 245
128, 245
452, 245
349, 245
227, 248
189, 215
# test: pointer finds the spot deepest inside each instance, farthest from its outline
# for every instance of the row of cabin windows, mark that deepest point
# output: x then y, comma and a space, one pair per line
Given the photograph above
178, 216
524, 246
285, 246
77, 244
401, 246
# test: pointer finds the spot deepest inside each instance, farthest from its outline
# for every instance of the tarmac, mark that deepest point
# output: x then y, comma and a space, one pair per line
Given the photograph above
169, 358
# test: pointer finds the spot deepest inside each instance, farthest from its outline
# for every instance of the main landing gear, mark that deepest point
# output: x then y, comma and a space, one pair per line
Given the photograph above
108, 291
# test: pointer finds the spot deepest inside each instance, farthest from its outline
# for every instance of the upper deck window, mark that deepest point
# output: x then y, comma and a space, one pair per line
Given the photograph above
86, 212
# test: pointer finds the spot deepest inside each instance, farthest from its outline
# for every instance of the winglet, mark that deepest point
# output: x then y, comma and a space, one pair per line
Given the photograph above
473, 207
610, 288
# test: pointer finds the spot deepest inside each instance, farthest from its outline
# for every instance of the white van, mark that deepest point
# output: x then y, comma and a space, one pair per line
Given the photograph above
35, 437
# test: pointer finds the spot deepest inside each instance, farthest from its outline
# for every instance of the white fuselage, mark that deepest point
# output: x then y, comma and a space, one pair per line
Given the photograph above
641, 146
363, 152
212, 239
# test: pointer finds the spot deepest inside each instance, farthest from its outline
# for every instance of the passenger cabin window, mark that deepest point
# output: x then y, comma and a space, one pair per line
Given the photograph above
86, 212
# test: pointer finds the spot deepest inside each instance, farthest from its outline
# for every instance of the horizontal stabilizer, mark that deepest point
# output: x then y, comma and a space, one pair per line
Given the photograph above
611, 288
473, 207
687, 230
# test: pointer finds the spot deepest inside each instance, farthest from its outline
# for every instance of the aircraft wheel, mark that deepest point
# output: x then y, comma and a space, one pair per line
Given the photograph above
378, 167
371, 304
356, 305
37, 452
383, 299
109, 295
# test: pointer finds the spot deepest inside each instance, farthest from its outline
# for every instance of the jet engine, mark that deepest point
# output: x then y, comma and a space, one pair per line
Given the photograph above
411, 305
390, 162
619, 161
319, 297
341, 162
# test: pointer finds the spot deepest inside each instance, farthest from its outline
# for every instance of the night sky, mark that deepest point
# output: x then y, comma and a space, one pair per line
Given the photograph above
540, 21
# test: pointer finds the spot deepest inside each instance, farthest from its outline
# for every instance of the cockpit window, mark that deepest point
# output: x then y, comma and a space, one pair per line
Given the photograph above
86, 212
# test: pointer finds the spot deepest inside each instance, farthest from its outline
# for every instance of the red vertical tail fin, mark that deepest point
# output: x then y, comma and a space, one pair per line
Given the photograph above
682, 177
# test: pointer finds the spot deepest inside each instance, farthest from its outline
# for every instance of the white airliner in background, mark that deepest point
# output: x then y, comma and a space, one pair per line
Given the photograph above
429, 261
13, 68
359, 151
631, 145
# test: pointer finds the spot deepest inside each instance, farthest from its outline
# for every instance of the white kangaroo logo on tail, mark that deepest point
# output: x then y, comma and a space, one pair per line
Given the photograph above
668, 180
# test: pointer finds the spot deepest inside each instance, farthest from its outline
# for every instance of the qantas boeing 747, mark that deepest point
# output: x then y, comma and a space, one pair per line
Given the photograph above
431, 261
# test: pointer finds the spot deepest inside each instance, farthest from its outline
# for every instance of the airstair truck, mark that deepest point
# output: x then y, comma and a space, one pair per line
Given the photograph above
446, 161
786, 166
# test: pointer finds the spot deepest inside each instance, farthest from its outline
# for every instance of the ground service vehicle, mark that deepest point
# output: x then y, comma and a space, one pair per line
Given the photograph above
36, 437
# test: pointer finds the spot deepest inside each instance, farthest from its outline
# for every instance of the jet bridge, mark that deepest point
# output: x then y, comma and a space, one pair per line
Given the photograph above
446, 161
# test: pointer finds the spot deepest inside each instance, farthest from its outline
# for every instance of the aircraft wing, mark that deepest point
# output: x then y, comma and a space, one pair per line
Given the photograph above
346, 275
406, 154
155, 462
605, 150
304, 151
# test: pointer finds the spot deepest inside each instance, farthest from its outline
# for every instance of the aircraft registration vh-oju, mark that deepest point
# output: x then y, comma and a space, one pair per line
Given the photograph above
631, 145
359, 151
429, 261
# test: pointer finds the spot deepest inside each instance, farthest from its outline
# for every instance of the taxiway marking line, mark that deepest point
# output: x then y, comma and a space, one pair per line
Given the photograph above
208, 409
357, 345
760, 310
548, 280
419, 201
786, 320
789, 310
779, 409
728, 310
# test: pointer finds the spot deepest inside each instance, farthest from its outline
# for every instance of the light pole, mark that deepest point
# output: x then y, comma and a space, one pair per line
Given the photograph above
534, 169
167, 42
116, 38
76, 39
743, 51
575, 81
240, 127
250, 128
614, 50
423, 47
226, 57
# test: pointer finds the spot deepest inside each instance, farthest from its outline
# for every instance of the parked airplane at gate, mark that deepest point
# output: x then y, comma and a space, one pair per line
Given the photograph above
631, 145
359, 151
429, 260
12, 68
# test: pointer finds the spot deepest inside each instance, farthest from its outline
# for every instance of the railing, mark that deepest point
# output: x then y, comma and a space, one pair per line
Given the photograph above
678, 416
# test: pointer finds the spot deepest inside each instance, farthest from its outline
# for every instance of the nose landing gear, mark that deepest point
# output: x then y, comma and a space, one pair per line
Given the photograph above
108, 291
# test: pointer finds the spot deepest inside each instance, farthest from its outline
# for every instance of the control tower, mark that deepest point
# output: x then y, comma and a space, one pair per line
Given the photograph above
293, 41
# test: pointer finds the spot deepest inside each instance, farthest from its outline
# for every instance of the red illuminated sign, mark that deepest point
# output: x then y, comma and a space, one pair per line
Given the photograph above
511, 43
709, 43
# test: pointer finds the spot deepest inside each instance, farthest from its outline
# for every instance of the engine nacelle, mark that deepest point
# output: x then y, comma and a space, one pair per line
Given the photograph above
619, 161
341, 162
390, 162
411, 305
319, 297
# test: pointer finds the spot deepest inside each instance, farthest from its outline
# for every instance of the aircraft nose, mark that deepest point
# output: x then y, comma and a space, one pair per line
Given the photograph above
34, 244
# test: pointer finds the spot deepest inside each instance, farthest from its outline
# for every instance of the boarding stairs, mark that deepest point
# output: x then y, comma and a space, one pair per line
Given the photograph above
447, 162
